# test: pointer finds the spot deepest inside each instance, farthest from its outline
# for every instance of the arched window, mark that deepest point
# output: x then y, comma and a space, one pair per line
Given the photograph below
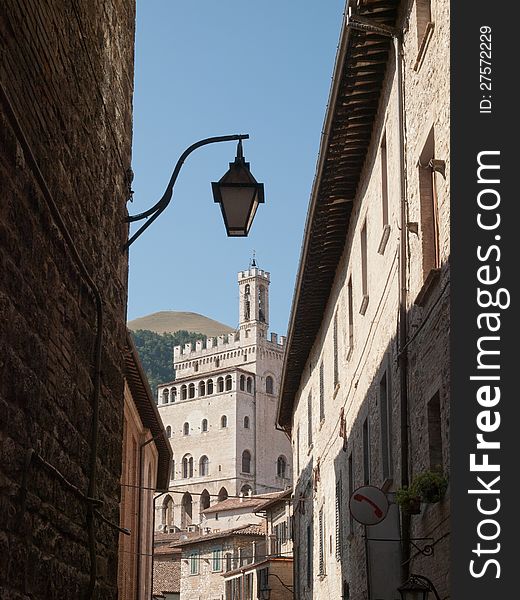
187, 466
246, 422
165, 395
269, 385
167, 511
220, 384
202, 388
249, 385
203, 466
246, 489
186, 429
223, 421
186, 510
246, 461
229, 383
281, 466
204, 425
210, 386
204, 500
184, 392
191, 390
168, 431
242, 382
174, 394
223, 494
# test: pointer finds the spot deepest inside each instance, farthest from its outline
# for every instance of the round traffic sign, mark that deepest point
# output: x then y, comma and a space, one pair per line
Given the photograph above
368, 505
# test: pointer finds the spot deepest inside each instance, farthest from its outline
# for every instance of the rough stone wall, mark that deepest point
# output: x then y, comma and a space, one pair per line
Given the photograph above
374, 349
67, 69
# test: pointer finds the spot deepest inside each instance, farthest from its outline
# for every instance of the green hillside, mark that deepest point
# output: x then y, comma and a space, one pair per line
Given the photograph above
156, 352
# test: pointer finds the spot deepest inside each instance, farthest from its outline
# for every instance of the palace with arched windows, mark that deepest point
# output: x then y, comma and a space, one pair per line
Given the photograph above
219, 413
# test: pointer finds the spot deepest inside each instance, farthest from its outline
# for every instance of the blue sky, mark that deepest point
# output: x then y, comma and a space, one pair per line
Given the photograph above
218, 67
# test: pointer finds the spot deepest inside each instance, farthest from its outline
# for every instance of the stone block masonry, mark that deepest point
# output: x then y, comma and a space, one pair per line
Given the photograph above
66, 75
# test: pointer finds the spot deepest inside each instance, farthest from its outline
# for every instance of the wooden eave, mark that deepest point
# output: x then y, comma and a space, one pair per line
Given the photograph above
148, 412
359, 73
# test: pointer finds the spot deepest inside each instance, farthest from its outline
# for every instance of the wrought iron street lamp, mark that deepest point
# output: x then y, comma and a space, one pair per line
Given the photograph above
417, 587
237, 192
239, 195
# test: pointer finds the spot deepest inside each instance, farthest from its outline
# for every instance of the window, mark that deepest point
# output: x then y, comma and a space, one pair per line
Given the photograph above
194, 563
263, 579
321, 549
335, 349
167, 510
249, 385
195, 366
187, 466
191, 390
242, 382
309, 419
186, 429
269, 385
262, 306
386, 446
229, 559
202, 388
168, 431
435, 433
309, 556
246, 489
223, 494
338, 518
229, 383
322, 393
210, 386
428, 203
204, 425
281, 466
204, 500
384, 196
184, 392
350, 309
364, 269
165, 396
216, 560
246, 461
223, 421
298, 450
350, 491
366, 452
246, 422
423, 12
203, 466
220, 384
174, 394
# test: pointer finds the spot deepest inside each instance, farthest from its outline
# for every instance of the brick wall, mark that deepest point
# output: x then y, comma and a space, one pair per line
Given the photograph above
67, 70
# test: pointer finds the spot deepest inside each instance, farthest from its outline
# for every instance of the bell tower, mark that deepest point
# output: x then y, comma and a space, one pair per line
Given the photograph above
253, 286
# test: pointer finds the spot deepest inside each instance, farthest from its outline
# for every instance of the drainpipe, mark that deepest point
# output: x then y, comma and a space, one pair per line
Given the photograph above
139, 514
403, 295
153, 545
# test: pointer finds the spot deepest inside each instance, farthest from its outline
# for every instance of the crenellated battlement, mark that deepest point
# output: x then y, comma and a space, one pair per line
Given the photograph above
254, 272
221, 343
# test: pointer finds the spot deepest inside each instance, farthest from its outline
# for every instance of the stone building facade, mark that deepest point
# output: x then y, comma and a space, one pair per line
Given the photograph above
365, 384
206, 558
66, 79
220, 413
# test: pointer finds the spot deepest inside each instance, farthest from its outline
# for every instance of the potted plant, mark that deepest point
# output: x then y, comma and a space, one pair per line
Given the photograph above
408, 500
430, 486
